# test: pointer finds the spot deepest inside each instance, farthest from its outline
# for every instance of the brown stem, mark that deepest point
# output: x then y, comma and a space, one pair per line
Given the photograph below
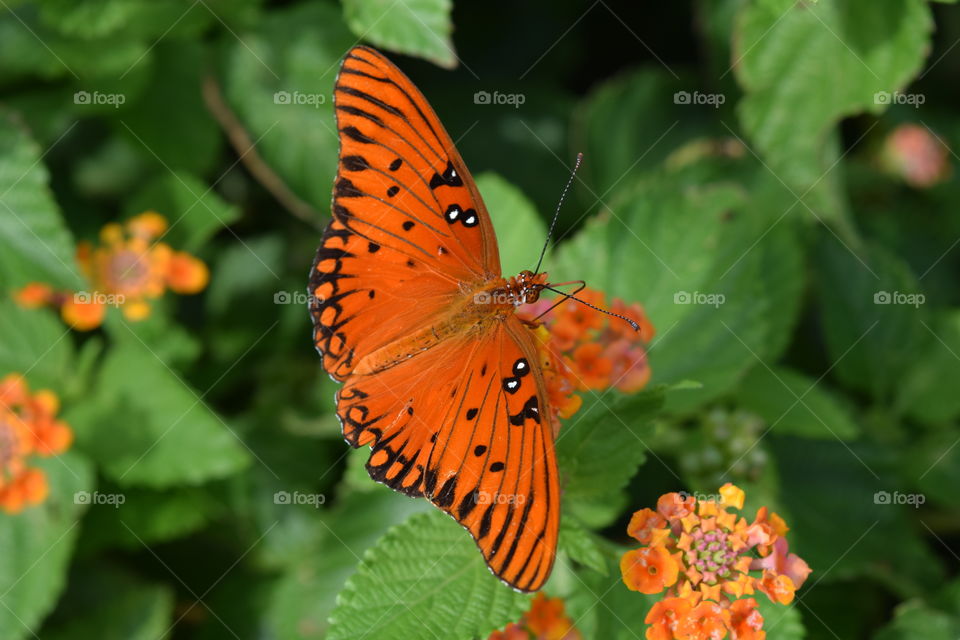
246, 149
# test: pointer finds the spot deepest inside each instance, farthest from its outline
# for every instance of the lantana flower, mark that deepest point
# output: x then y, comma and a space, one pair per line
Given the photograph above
28, 427
546, 620
583, 349
127, 269
708, 561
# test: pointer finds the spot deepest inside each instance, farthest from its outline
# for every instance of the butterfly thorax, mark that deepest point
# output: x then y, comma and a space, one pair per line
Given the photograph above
474, 311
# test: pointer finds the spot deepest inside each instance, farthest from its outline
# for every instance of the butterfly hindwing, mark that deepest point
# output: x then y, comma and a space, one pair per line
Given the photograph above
494, 460
461, 425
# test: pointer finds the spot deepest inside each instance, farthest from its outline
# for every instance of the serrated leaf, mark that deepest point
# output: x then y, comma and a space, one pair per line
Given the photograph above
146, 427
36, 547
600, 448
424, 579
795, 404
580, 544
804, 66
414, 27
36, 243
719, 282
307, 591
639, 144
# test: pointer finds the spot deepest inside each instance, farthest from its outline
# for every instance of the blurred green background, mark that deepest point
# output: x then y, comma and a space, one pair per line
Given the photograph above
747, 179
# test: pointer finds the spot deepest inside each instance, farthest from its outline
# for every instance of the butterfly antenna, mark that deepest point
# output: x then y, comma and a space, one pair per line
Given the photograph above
569, 296
556, 214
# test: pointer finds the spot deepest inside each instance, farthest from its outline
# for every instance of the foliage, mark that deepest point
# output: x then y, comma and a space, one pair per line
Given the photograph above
740, 181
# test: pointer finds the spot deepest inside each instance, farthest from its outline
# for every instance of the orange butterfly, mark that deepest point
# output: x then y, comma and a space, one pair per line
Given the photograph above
411, 313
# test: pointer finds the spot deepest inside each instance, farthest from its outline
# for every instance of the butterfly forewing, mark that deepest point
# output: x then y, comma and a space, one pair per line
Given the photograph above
401, 181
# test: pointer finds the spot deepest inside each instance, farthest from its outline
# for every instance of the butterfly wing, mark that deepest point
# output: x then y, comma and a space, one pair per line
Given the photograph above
408, 223
402, 182
460, 422
464, 424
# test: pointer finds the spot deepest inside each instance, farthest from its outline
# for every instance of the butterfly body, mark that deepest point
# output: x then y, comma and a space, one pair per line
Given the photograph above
411, 313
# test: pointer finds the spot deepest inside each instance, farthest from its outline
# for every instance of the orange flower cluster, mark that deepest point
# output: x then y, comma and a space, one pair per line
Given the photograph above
582, 349
706, 557
28, 426
546, 620
128, 268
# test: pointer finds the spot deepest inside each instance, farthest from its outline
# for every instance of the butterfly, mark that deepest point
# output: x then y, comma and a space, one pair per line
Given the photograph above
410, 311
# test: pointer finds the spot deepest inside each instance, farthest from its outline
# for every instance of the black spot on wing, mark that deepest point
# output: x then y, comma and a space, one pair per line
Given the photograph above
449, 178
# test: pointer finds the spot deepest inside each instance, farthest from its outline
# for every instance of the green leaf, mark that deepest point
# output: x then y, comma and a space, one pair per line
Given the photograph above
36, 546
146, 426
928, 391
520, 231
424, 579
806, 66
193, 209
873, 313
414, 27
148, 517
934, 460
581, 545
639, 144
795, 404
600, 448
781, 622
117, 609
848, 534
306, 594
603, 606
296, 50
184, 138
36, 244
915, 621
717, 279
29, 48
36, 344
